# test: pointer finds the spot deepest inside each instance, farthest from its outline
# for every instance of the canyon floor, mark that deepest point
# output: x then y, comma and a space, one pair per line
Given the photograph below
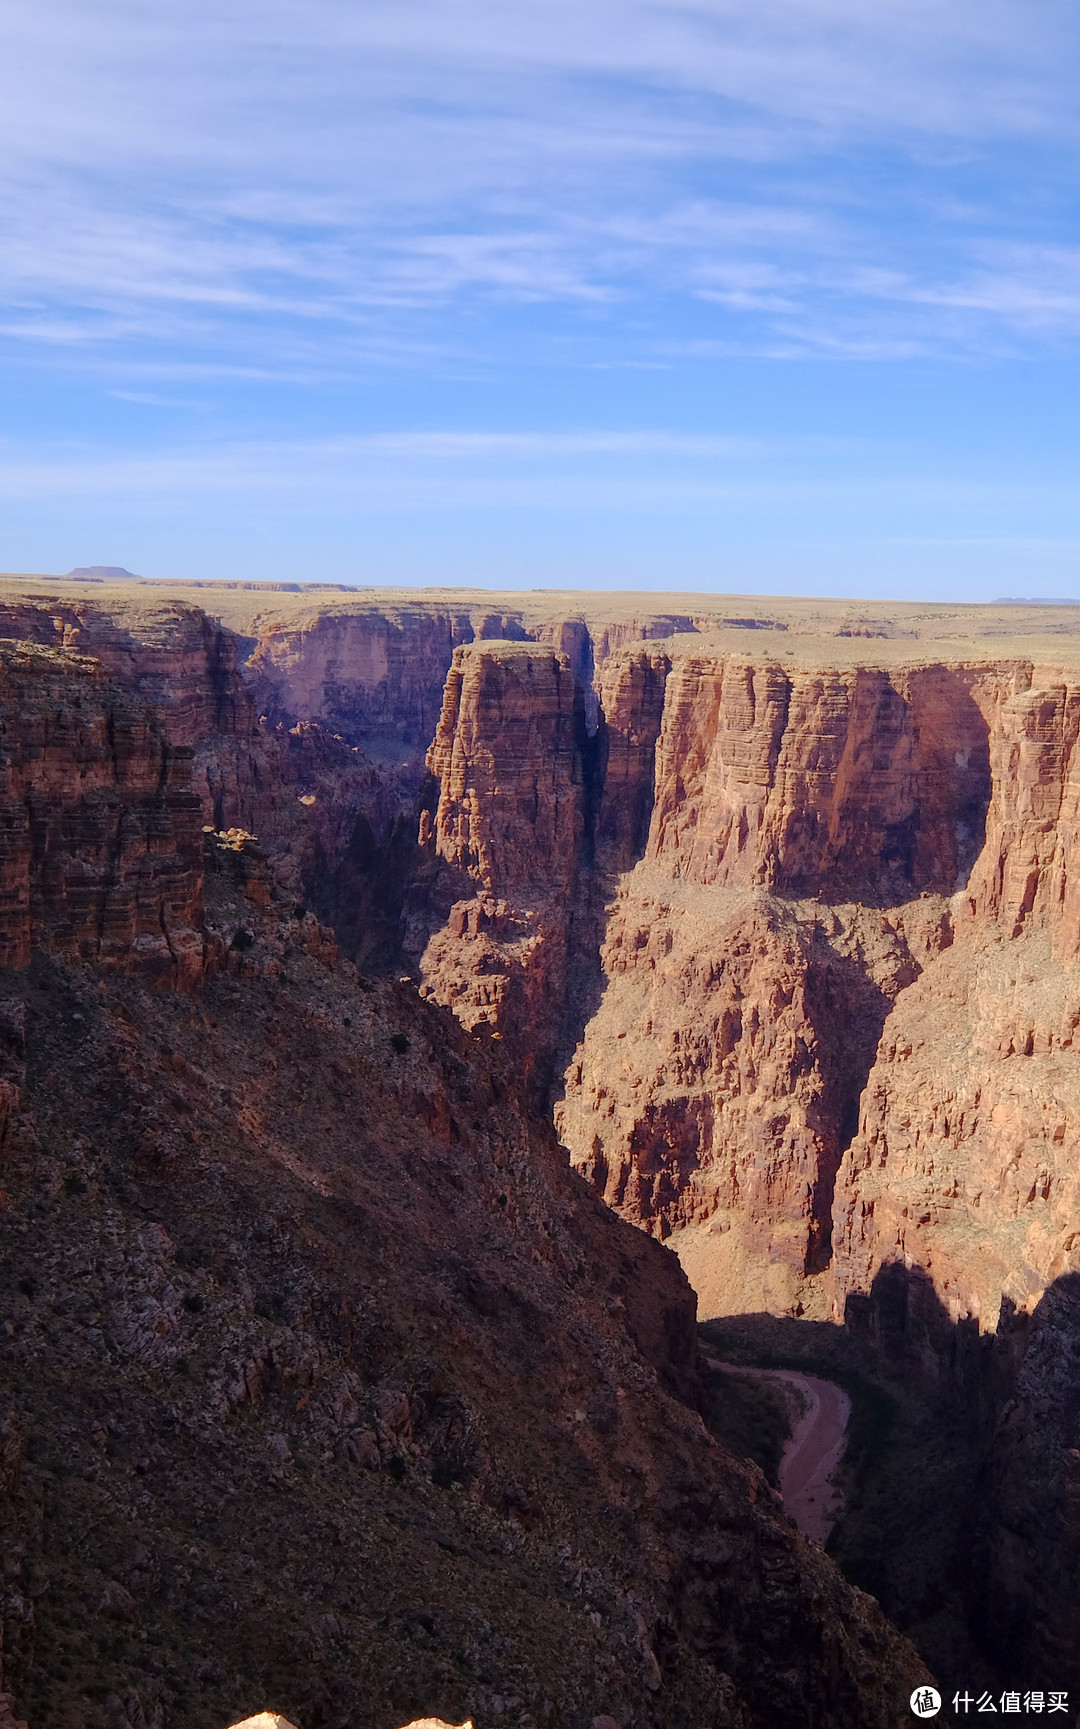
390, 982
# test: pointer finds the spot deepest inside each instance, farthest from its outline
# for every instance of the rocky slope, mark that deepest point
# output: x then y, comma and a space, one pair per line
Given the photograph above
325, 1381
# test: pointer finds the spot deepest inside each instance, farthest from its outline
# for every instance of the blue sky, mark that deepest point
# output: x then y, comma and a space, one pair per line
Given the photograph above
775, 298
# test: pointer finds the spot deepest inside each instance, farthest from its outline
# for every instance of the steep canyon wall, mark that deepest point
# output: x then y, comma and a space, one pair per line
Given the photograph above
102, 844
827, 1051
788, 898
837, 932
325, 1379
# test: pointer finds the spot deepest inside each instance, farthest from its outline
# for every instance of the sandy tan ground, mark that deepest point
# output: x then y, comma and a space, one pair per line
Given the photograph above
867, 632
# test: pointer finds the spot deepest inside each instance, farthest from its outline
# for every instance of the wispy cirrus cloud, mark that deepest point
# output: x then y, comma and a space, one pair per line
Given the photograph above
266, 179
373, 463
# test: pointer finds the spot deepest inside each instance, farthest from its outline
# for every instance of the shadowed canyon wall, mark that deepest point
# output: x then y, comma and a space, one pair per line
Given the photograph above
325, 1379
101, 832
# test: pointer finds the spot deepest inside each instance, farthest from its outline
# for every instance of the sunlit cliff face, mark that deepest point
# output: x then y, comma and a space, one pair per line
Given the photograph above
809, 961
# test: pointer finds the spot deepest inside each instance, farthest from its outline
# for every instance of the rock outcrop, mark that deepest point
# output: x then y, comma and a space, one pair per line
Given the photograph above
505, 833
964, 1161
265, 1720
170, 655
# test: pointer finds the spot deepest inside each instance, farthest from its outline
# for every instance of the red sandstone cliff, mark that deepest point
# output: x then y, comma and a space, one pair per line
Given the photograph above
827, 857
101, 832
903, 842
505, 837
807, 827
171, 655
965, 1157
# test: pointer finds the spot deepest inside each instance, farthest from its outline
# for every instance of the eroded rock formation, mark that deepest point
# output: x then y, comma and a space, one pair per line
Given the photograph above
326, 1380
796, 917
965, 1156
169, 654
786, 841
102, 833
833, 1038
506, 837
835, 939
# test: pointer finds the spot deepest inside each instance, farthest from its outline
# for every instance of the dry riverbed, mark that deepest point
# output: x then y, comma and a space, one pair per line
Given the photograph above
819, 1412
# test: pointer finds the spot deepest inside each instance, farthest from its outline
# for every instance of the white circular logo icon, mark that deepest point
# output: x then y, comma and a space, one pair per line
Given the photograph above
926, 1701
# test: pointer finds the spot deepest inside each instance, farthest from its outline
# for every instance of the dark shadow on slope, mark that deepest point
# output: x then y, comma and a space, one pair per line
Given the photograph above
1027, 1538
618, 805
363, 894
848, 1011
961, 1478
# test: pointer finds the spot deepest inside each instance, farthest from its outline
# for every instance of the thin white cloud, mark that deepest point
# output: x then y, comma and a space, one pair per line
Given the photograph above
589, 472
347, 462
205, 181
974, 66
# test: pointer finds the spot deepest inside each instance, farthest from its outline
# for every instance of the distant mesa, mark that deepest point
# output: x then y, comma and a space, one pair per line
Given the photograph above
102, 573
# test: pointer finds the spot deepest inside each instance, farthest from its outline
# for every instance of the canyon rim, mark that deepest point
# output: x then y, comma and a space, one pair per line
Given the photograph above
417, 1009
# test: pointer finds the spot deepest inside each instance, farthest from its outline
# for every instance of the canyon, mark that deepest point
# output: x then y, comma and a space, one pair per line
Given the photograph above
392, 982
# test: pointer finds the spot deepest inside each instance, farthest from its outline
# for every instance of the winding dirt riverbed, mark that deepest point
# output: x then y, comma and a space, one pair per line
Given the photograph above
814, 1450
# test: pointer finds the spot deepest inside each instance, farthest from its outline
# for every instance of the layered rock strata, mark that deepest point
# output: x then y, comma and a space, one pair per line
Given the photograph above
100, 830
835, 868
837, 858
505, 834
965, 1157
170, 655
333, 824
832, 1056
326, 1380
374, 670
807, 915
